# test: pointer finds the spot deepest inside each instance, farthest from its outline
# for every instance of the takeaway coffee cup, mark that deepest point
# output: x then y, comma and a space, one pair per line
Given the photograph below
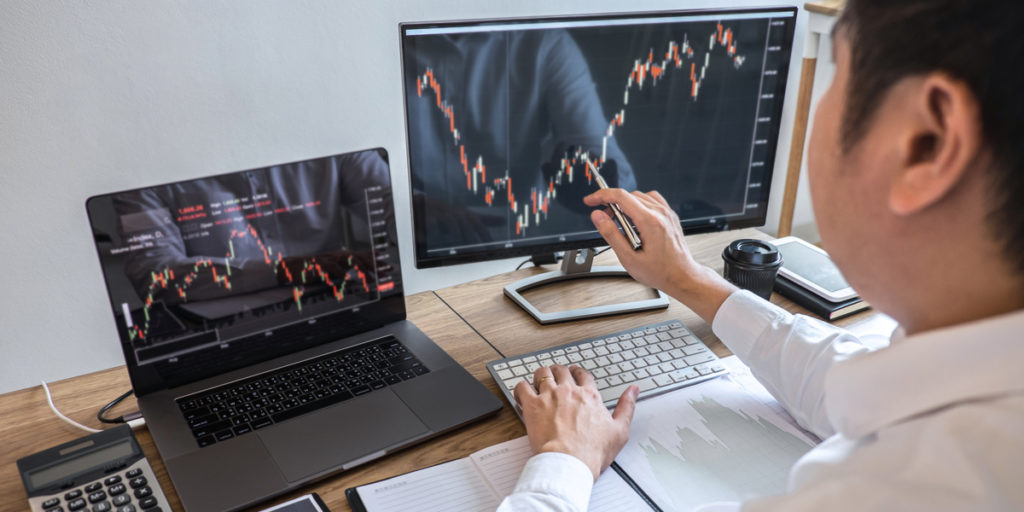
752, 264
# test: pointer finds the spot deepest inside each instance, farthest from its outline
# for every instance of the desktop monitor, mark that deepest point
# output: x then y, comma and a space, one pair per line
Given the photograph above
509, 121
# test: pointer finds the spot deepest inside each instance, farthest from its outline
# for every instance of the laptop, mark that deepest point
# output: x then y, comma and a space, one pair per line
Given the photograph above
263, 324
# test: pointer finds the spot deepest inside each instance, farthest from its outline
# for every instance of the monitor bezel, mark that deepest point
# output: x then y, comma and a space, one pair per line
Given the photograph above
147, 379
424, 260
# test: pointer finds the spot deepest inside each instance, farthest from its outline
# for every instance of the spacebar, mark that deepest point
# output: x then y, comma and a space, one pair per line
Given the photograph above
311, 406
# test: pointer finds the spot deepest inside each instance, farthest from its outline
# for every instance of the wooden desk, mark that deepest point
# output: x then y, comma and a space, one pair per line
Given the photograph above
511, 331
28, 425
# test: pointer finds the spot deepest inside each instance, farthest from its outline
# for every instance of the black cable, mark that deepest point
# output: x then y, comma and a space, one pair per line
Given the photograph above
602, 250
119, 419
527, 260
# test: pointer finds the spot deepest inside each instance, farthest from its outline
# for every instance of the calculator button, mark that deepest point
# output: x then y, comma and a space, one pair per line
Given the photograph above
55, 509
134, 473
142, 492
121, 500
51, 502
97, 496
112, 480
206, 441
77, 504
102, 507
127, 508
147, 503
93, 487
116, 489
72, 495
137, 482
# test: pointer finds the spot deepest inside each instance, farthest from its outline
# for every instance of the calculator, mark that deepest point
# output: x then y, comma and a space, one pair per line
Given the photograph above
102, 472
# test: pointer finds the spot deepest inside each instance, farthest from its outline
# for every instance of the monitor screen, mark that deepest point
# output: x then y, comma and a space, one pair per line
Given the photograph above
509, 120
215, 273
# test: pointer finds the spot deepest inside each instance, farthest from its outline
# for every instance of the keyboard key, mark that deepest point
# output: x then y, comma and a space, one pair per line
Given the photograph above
694, 349
562, 360
51, 502
519, 370
97, 497
588, 364
112, 480
501, 366
102, 507
116, 489
72, 495
147, 503
663, 380
614, 392
76, 504
699, 358
121, 500
142, 492
131, 474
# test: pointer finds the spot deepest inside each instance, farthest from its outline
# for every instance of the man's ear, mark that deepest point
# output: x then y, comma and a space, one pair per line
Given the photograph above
937, 145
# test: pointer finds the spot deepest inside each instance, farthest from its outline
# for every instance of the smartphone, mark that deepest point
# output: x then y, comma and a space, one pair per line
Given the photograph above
811, 268
307, 503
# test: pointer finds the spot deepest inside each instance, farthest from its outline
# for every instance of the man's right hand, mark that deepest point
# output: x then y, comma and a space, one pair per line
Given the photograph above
665, 261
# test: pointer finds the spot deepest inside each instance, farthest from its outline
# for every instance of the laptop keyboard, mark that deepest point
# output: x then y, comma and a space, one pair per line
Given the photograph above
257, 402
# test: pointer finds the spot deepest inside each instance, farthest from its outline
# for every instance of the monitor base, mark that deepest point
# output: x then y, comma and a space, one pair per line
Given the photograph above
578, 264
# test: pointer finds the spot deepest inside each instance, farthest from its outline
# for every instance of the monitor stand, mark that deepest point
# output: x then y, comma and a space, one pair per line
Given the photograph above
578, 264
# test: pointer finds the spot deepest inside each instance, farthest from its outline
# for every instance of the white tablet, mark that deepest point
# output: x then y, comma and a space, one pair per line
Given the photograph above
811, 268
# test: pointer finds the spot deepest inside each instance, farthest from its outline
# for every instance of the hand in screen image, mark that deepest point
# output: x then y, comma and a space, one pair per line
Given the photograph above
227, 249
501, 126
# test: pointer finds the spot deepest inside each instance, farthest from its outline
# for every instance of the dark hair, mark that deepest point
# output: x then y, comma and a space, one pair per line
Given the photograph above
976, 41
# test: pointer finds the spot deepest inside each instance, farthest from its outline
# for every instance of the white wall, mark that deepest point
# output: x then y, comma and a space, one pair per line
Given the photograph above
103, 96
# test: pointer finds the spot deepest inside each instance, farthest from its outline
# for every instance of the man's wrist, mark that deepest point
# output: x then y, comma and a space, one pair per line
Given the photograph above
701, 289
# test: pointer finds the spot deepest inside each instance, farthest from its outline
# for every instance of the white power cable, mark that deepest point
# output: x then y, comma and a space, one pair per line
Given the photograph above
49, 398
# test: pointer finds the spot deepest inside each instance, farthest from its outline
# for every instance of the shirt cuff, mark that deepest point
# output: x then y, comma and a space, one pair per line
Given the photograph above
743, 318
559, 475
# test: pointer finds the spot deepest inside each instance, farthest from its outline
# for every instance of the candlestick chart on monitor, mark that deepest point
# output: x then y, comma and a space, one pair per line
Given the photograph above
509, 122
201, 263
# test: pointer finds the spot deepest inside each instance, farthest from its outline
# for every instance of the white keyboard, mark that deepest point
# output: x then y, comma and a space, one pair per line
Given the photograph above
658, 358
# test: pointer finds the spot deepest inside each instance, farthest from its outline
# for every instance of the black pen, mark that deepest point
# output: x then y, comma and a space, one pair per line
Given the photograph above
631, 234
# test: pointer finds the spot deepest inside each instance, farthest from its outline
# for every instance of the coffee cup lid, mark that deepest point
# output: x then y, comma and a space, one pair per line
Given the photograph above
753, 252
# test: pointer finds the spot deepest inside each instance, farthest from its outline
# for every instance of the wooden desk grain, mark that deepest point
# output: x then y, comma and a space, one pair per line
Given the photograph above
512, 331
28, 425
830, 7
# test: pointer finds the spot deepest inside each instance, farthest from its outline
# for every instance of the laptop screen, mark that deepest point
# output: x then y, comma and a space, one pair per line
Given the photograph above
212, 274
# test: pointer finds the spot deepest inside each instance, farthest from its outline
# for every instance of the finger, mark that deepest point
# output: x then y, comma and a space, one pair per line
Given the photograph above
627, 404
543, 375
523, 392
646, 199
629, 204
581, 376
561, 374
610, 232
658, 197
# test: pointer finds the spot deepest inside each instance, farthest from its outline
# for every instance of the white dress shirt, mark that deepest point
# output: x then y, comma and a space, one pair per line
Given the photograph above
933, 422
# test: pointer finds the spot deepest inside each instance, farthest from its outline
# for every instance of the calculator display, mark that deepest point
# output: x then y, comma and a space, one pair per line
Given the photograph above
87, 461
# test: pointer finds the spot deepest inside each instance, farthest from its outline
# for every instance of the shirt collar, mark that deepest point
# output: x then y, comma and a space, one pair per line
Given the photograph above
924, 372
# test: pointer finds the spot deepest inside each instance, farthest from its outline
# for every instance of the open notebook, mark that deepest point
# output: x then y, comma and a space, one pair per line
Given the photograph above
726, 439
477, 483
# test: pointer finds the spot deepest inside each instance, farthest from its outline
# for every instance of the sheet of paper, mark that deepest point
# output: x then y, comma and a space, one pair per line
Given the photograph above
452, 486
501, 464
726, 439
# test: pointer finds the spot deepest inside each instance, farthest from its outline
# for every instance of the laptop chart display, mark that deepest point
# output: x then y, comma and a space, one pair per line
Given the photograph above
209, 265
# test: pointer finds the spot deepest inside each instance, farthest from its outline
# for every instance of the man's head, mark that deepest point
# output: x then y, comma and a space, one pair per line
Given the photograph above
916, 161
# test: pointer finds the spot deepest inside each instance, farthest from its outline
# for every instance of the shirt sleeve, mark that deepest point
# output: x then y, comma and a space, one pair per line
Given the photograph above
551, 482
789, 354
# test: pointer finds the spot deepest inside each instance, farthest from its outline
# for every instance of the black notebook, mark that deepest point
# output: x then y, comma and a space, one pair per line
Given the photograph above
816, 304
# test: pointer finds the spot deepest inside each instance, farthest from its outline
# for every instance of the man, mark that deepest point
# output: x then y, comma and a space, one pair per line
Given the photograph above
917, 177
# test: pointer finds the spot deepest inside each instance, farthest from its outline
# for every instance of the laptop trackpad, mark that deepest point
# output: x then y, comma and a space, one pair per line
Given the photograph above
327, 439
